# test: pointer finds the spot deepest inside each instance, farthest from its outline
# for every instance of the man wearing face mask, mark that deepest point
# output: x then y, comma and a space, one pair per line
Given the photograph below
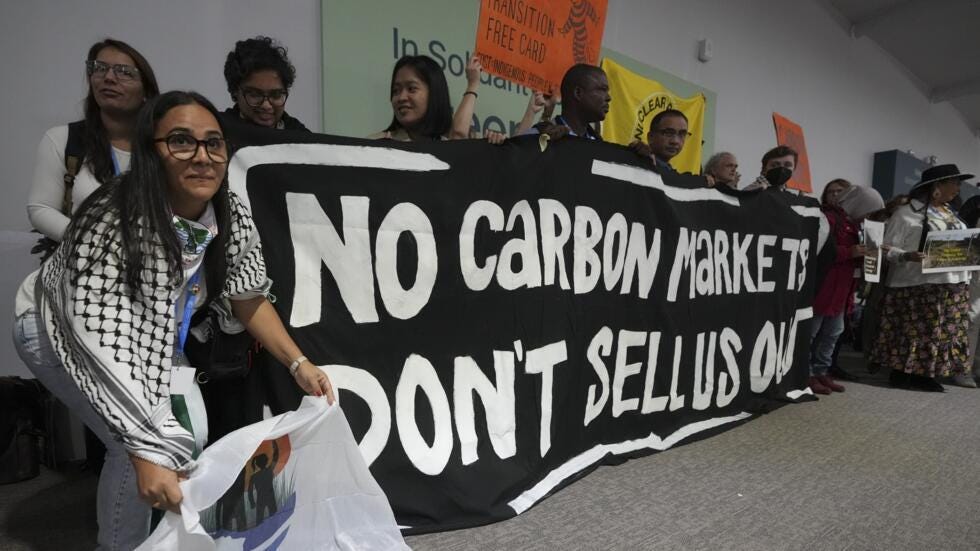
778, 165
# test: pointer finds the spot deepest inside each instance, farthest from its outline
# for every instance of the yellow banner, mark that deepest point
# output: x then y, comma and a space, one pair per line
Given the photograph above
636, 100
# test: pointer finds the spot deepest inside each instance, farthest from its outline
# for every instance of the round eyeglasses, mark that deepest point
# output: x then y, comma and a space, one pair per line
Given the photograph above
183, 147
255, 98
99, 69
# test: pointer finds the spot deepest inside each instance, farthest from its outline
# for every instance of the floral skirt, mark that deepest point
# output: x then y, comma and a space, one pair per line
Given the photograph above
924, 329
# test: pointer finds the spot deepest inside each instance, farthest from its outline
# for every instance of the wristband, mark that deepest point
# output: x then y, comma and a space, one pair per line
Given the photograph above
295, 365
475, 95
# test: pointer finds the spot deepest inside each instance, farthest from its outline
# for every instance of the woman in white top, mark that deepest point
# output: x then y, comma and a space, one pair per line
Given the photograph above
103, 323
924, 317
120, 80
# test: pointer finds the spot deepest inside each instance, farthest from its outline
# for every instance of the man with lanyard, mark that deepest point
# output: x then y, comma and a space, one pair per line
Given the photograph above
584, 100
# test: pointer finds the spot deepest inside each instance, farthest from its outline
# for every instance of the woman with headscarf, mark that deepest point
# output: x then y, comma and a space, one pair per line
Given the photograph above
924, 317
845, 206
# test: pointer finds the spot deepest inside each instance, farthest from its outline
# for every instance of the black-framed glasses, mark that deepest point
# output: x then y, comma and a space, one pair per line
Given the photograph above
672, 133
96, 68
254, 98
184, 147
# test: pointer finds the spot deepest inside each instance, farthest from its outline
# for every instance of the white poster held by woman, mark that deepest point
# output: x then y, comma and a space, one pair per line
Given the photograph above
874, 233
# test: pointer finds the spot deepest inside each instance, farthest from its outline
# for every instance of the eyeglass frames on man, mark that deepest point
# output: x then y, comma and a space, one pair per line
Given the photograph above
255, 98
183, 147
672, 133
99, 69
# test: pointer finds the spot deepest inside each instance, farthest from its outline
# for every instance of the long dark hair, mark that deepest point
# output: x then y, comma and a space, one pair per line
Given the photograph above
439, 111
137, 204
97, 148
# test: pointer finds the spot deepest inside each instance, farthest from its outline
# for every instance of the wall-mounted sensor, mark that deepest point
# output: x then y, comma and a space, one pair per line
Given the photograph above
705, 49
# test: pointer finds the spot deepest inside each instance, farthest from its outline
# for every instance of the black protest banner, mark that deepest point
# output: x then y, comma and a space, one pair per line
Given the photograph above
500, 320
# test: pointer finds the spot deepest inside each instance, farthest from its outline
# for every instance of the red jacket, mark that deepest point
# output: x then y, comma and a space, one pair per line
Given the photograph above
836, 293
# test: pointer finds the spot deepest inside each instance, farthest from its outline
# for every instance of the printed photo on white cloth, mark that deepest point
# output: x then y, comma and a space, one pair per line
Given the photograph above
295, 481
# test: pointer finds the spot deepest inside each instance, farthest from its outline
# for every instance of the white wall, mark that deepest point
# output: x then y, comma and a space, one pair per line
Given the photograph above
186, 43
792, 57
784, 56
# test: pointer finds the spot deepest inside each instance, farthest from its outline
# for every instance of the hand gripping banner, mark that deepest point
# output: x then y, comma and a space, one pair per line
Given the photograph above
501, 320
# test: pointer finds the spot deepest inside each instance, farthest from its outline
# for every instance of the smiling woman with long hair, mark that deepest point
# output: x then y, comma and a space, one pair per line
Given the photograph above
119, 81
103, 323
420, 104
419, 101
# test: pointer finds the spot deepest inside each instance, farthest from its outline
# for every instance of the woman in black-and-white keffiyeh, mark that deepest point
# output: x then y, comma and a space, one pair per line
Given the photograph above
102, 323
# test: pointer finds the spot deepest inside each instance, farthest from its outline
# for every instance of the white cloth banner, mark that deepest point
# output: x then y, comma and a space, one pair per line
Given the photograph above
296, 481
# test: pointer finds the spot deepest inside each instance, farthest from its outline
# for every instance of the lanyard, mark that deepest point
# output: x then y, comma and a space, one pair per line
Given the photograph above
589, 132
115, 161
185, 324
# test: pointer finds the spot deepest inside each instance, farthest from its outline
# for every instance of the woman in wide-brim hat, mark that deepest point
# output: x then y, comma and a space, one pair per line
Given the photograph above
924, 317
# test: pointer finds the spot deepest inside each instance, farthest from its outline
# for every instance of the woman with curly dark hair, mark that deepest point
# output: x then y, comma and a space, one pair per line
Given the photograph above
259, 76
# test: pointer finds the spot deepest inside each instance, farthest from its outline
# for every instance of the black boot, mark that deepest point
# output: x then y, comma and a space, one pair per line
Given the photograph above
838, 372
927, 384
899, 379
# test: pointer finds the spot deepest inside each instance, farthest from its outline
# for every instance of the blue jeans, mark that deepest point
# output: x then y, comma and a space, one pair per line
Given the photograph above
823, 338
124, 519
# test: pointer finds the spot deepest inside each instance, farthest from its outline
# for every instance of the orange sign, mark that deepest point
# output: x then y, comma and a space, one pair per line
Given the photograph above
533, 42
790, 134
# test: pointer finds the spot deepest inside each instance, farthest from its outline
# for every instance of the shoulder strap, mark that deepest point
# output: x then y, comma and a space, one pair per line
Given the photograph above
74, 155
925, 229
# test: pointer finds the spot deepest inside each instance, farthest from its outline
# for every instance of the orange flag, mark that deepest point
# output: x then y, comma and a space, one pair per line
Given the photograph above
790, 134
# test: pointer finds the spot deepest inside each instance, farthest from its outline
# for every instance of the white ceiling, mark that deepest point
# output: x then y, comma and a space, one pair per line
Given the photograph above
936, 41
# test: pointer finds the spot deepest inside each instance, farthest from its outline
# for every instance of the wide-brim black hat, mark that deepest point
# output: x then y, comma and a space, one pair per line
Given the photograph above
939, 172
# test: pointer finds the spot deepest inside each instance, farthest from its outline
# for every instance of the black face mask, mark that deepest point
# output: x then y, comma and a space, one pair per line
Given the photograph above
777, 177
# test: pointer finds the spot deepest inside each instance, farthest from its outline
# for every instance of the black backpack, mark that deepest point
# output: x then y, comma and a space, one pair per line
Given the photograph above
74, 157
22, 407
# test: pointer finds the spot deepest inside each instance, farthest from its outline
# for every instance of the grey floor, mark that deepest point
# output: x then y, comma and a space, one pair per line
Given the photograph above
872, 468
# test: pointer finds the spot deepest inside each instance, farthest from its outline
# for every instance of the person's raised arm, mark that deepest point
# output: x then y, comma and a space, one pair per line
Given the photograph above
538, 103
534, 106
463, 118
